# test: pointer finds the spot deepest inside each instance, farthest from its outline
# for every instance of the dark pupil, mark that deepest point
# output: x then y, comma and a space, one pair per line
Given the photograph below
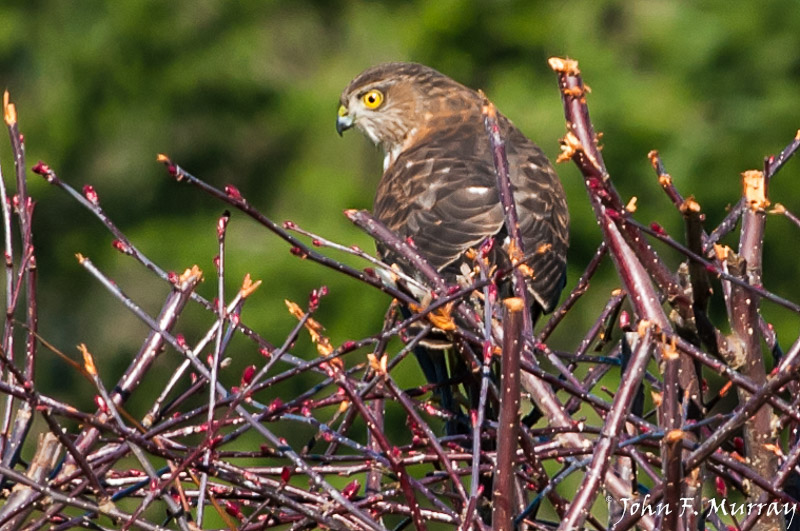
371, 98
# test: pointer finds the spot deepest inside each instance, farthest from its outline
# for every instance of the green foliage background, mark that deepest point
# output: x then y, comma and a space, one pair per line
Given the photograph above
246, 93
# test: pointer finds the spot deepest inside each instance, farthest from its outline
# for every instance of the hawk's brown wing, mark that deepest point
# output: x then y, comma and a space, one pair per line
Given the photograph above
442, 193
543, 215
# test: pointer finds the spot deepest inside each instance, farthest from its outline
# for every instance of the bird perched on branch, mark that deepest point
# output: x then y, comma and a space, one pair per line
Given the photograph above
439, 186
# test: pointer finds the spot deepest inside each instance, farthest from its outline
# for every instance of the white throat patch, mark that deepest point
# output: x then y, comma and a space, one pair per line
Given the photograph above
391, 155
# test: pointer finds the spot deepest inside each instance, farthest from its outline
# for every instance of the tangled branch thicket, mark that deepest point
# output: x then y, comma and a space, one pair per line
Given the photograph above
663, 441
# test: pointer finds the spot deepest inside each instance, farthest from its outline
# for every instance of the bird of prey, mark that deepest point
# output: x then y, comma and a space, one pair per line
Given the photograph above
439, 186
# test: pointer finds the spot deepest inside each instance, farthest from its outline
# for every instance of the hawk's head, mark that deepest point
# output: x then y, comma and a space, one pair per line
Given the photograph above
392, 102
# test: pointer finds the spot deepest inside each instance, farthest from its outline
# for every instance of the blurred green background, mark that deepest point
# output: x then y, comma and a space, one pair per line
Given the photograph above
246, 93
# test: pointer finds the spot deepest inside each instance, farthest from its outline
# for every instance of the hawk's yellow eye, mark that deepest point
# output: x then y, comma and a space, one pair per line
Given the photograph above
372, 99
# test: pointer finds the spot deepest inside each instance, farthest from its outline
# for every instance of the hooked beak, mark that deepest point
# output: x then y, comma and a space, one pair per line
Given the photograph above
343, 121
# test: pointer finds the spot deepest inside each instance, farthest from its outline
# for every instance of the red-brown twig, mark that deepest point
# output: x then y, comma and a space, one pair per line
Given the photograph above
516, 249
14, 431
609, 435
508, 419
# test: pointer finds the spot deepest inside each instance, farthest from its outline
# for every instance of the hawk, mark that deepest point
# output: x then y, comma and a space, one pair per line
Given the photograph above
439, 184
